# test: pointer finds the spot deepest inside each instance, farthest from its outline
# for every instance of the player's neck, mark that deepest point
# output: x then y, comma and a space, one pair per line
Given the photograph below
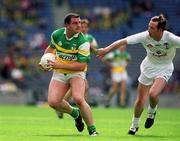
69, 34
157, 37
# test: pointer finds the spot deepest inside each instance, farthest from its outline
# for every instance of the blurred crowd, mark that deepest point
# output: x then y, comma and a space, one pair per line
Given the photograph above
23, 39
25, 28
110, 14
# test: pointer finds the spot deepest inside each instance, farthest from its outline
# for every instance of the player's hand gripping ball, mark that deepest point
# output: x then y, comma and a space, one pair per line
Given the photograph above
44, 62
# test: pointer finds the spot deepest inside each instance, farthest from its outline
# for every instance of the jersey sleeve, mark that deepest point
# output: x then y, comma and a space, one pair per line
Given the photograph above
137, 38
52, 41
175, 40
94, 43
84, 52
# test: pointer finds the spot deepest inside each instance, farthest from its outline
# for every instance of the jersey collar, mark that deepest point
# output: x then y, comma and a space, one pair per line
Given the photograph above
74, 36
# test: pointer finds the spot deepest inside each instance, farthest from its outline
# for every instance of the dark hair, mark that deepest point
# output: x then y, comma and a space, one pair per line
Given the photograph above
161, 21
68, 17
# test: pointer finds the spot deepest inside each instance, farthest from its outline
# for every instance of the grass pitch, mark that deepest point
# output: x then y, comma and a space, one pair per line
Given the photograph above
23, 123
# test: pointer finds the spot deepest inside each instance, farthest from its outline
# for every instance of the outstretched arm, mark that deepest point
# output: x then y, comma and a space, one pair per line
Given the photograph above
102, 51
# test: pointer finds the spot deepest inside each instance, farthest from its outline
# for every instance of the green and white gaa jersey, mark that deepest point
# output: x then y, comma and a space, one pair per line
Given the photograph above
69, 50
158, 52
118, 60
91, 40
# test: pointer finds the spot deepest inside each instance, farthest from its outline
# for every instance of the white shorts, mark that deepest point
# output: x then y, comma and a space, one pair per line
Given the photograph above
150, 71
65, 78
118, 77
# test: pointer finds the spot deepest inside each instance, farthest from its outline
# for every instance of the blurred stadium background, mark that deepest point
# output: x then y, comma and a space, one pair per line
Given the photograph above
25, 28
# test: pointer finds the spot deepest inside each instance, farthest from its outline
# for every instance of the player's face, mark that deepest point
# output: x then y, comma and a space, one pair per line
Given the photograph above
84, 28
152, 29
74, 26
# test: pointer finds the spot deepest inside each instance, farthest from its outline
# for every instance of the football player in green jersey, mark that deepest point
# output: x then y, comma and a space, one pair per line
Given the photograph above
72, 55
118, 61
89, 37
93, 47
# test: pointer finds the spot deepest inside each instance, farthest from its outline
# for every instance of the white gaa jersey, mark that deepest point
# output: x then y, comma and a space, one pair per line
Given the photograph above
160, 54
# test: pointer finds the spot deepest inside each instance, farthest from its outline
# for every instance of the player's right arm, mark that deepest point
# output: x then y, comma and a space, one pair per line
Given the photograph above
102, 51
49, 50
133, 39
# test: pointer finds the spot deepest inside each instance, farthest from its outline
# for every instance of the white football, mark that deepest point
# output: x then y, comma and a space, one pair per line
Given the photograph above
45, 60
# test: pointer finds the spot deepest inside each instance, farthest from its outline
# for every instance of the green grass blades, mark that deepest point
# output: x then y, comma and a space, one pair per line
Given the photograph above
23, 123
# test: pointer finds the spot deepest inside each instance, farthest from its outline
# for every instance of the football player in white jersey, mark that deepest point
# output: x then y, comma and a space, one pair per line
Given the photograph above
156, 68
